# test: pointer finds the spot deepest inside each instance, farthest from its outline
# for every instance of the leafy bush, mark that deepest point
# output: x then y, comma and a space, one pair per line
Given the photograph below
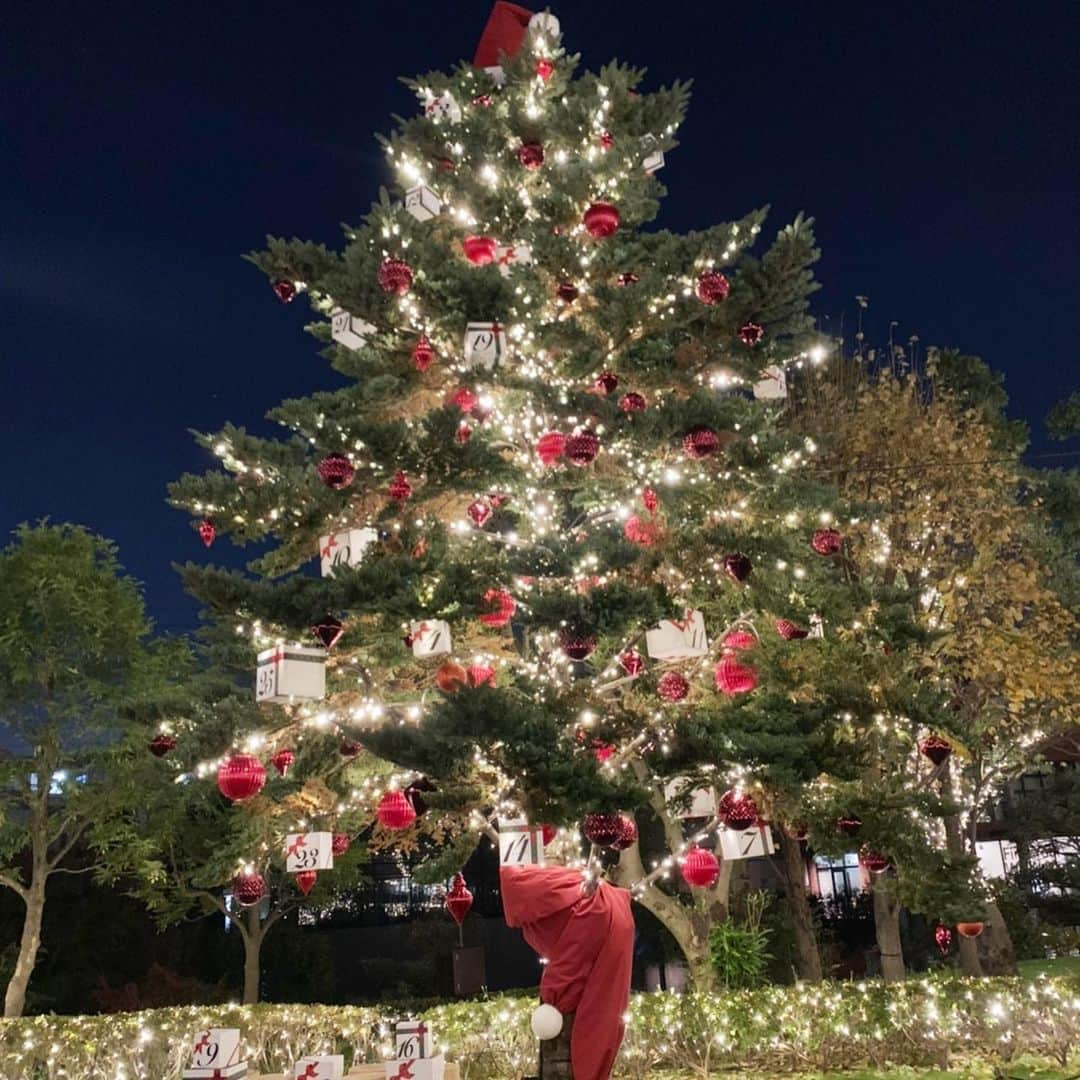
739, 948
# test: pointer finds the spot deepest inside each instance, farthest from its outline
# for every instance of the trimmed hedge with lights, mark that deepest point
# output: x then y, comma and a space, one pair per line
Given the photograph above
930, 1021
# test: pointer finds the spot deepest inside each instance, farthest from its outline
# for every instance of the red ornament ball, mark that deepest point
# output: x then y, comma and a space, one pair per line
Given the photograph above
395, 276
328, 631
423, 355
739, 639
733, 678
750, 333
700, 868
673, 686
603, 830
207, 531
531, 155
639, 531
451, 677
249, 889
737, 810
551, 447
582, 448
458, 900
479, 512
969, 929
336, 471
464, 433
874, 861
700, 442
606, 382
463, 398
650, 500
162, 744
305, 880
400, 490
567, 292
394, 811
240, 777
633, 402
339, 843
577, 644
601, 220
632, 662
602, 751
937, 749
544, 69
790, 631
628, 833
479, 250
349, 749
737, 567
712, 287
849, 825
826, 541
285, 291
480, 675
283, 760
500, 607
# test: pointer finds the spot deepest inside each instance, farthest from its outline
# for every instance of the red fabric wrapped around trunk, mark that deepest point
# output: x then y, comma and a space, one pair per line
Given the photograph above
588, 942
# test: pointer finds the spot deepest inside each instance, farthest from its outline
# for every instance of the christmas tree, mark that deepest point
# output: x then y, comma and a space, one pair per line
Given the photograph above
572, 565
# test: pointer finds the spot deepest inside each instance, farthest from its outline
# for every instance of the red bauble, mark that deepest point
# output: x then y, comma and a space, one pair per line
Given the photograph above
936, 749
602, 751
349, 749
969, 929
582, 448
395, 276
577, 644
458, 900
943, 939
339, 843
639, 531
464, 433
750, 333
567, 292
423, 355
395, 812
240, 777
700, 442
733, 678
700, 868
606, 382
479, 250
551, 447
479, 512
480, 675
601, 220
789, 631
712, 287
739, 639
629, 278
463, 398
531, 155
207, 531
162, 744
874, 861
633, 402
632, 662
826, 541
450, 677
282, 761
737, 566
400, 490
849, 825
650, 500
673, 686
544, 69
737, 810
500, 607
328, 631
445, 164
603, 830
336, 471
606, 140
285, 291
628, 833
305, 880
249, 889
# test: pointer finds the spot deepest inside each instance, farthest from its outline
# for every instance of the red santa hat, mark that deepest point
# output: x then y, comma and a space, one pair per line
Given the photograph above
504, 33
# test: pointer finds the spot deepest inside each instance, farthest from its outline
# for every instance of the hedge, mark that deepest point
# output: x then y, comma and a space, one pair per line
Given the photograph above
935, 1022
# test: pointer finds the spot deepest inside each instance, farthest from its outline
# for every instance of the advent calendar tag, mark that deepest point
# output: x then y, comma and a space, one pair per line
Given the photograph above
320, 1067
442, 107
348, 330
433, 1068
746, 843
702, 802
215, 1055
510, 255
678, 639
485, 343
772, 386
309, 851
520, 844
344, 549
422, 202
430, 638
413, 1039
291, 672
654, 156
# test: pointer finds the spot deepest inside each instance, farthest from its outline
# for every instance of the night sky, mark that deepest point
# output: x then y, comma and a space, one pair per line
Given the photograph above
145, 146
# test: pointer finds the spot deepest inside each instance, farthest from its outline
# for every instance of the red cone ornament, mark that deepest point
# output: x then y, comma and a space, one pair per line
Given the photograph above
750, 333
582, 448
463, 398
207, 531
479, 512
285, 291
577, 644
336, 471
423, 355
305, 880
606, 382
601, 220
712, 287
737, 567
701, 442
733, 678
249, 889
395, 276
162, 744
943, 939
650, 500
395, 812
826, 541
700, 868
458, 900
400, 490
240, 777
673, 686
737, 810
328, 631
632, 662
339, 843
480, 675
937, 749
479, 250
282, 761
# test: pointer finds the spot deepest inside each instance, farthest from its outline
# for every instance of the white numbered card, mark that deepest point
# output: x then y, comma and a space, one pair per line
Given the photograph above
654, 156
215, 1053
291, 672
746, 843
772, 386
422, 202
484, 344
348, 330
511, 255
413, 1039
344, 549
702, 800
520, 844
430, 638
320, 1067
442, 107
678, 639
309, 851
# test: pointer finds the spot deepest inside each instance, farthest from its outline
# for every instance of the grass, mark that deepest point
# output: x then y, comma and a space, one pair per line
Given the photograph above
1061, 965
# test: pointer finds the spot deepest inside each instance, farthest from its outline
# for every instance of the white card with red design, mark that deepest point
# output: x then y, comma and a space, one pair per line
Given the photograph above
430, 637
772, 386
348, 330
309, 851
344, 549
678, 639
291, 673
432, 1068
320, 1067
442, 107
215, 1053
422, 203
520, 844
413, 1039
746, 843
510, 255
484, 345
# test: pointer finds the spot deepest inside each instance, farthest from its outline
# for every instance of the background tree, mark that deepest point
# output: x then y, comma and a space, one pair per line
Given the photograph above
77, 671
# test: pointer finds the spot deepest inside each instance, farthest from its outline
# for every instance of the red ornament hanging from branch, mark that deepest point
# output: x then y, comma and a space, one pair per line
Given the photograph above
790, 631
673, 686
458, 900
737, 567
207, 531
603, 830
400, 490
551, 447
395, 276
240, 777
582, 448
339, 843
937, 749
423, 355
284, 290
161, 744
700, 868
305, 880
737, 810
601, 220
336, 471
479, 250
712, 287
282, 761
499, 607
249, 888
531, 155
395, 812
701, 442
732, 677
826, 541
328, 631
480, 675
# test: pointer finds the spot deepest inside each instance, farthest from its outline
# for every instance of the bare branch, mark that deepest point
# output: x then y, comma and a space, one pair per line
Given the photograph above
71, 841
14, 885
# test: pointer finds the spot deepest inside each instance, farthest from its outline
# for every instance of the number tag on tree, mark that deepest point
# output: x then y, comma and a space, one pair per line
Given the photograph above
422, 202
654, 156
291, 672
702, 800
433, 1068
320, 1067
309, 851
430, 638
772, 385
413, 1039
746, 843
442, 107
484, 345
344, 549
348, 330
520, 844
215, 1053
511, 255
678, 639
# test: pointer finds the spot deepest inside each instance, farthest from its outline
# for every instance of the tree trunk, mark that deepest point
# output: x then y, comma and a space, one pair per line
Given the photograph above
887, 932
1000, 956
793, 873
555, 1061
968, 951
253, 939
15, 997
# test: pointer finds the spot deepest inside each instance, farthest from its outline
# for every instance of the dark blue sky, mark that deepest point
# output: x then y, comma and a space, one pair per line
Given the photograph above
145, 146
